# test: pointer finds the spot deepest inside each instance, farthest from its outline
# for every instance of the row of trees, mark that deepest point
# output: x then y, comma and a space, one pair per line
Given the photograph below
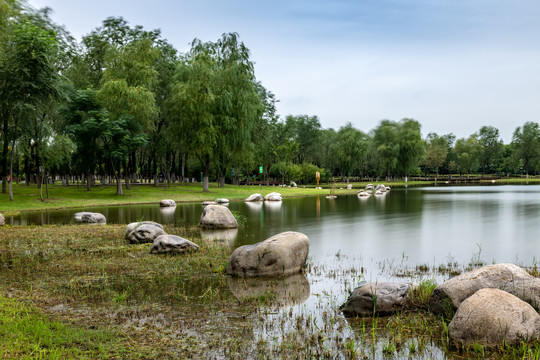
124, 104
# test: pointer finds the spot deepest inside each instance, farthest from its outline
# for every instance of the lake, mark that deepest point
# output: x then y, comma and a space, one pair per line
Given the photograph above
420, 225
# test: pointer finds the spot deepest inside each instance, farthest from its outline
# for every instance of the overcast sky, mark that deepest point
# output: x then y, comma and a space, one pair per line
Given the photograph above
454, 65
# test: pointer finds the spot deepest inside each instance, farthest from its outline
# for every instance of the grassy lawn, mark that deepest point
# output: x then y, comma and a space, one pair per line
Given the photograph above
28, 197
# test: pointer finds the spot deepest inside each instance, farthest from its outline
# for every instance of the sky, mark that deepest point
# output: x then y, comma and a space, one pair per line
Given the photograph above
453, 65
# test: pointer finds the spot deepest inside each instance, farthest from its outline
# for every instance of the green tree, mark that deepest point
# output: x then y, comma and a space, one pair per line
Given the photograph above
491, 148
351, 147
215, 102
411, 146
467, 151
526, 145
28, 78
436, 152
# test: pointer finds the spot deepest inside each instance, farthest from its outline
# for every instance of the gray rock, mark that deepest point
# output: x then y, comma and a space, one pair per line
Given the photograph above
493, 316
273, 196
217, 217
281, 255
379, 192
145, 233
255, 197
349, 187
132, 226
167, 203
169, 244
90, 218
206, 203
447, 297
78, 216
2, 220
369, 187
377, 298
222, 201
363, 194
293, 184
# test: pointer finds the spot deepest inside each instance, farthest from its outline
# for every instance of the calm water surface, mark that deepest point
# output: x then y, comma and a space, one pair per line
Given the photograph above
420, 225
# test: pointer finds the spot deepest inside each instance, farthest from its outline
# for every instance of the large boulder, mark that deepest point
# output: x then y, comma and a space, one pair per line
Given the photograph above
281, 255
273, 196
132, 226
145, 233
447, 297
493, 316
217, 217
172, 244
2, 220
372, 299
254, 197
167, 203
90, 217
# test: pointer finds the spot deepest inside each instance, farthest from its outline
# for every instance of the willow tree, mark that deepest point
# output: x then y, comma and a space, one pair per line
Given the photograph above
411, 146
351, 147
467, 151
385, 147
28, 78
526, 145
126, 92
214, 102
436, 152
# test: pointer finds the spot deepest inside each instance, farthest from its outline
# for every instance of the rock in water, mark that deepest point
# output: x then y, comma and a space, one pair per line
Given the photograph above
447, 297
167, 203
145, 233
168, 244
206, 203
217, 217
222, 201
134, 225
90, 218
492, 316
255, 197
281, 255
372, 298
273, 196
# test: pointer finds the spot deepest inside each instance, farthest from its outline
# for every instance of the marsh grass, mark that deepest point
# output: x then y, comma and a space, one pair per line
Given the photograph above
81, 291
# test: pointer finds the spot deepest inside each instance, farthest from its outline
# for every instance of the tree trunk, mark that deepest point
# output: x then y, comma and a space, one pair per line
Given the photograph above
11, 171
4, 154
206, 171
118, 179
126, 176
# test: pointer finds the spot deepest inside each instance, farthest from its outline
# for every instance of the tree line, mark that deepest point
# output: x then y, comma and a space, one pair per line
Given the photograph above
124, 105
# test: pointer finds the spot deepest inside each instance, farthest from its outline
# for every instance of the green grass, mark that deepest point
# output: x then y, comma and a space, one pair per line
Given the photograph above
26, 333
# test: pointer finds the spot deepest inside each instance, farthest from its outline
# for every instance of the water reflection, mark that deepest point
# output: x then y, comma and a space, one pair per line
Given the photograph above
223, 235
168, 214
277, 292
254, 206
